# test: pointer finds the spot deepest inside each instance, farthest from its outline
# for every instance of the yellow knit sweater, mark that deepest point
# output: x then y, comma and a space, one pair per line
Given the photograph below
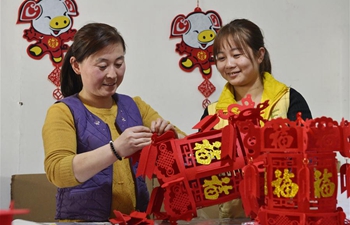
59, 138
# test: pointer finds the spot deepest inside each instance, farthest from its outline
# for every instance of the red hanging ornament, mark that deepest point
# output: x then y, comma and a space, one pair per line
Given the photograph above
197, 31
54, 77
250, 189
206, 88
44, 40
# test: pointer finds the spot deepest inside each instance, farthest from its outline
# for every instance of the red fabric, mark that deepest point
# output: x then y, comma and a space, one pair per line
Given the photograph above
6, 216
284, 171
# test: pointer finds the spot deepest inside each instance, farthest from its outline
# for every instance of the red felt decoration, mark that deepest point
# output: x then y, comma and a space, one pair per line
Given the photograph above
345, 179
54, 77
284, 171
206, 88
6, 216
250, 189
135, 218
43, 39
197, 31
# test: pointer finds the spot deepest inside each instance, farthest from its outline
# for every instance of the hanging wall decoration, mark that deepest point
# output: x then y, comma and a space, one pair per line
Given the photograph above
50, 30
197, 31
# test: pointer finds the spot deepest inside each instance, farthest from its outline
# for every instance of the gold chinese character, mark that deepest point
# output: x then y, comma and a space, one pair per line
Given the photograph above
206, 152
322, 185
214, 187
53, 42
201, 55
284, 186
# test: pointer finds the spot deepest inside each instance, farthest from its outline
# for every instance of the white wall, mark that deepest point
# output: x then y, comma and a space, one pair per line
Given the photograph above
308, 42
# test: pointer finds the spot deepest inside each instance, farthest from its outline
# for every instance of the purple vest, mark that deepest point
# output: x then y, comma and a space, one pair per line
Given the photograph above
92, 200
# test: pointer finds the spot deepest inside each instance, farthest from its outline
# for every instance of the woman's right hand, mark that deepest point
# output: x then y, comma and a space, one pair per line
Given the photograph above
132, 140
87, 164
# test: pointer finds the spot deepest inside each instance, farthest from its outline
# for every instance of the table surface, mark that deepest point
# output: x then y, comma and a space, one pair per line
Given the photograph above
192, 222
210, 222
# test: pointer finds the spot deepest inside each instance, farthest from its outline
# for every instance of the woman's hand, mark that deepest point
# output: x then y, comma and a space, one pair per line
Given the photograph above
87, 164
132, 140
161, 126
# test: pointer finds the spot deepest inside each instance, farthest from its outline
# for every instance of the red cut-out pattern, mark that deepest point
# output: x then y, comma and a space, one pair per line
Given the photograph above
54, 76
206, 88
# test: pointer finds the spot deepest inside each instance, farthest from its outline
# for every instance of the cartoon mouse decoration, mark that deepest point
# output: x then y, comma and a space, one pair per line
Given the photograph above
197, 31
51, 27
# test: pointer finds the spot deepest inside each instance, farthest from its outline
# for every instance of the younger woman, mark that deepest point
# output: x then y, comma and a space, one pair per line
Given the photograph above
244, 62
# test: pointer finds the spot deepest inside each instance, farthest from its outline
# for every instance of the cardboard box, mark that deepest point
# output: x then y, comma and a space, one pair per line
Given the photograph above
36, 193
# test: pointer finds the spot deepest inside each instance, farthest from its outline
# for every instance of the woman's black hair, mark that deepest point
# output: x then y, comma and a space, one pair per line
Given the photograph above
245, 34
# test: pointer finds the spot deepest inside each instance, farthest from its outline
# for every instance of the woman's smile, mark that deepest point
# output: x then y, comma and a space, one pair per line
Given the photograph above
109, 84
